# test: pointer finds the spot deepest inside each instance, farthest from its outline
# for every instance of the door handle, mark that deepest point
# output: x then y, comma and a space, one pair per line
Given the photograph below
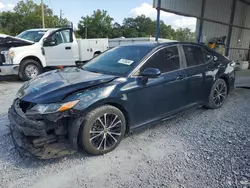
181, 77
67, 48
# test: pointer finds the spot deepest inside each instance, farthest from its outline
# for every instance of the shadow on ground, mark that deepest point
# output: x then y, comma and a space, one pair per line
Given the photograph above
9, 78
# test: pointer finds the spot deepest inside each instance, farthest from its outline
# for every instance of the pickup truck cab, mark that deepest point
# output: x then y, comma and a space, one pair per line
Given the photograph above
28, 54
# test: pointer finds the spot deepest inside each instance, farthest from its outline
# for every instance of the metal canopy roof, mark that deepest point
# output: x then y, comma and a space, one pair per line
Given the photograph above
229, 18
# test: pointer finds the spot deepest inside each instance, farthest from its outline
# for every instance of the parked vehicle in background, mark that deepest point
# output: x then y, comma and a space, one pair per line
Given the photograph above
123, 41
127, 87
28, 54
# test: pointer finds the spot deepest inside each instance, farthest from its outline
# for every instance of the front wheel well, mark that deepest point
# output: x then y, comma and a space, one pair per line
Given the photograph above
98, 52
124, 111
33, 58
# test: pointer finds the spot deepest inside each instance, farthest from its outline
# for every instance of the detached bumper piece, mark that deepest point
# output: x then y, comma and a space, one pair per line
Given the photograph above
34, 138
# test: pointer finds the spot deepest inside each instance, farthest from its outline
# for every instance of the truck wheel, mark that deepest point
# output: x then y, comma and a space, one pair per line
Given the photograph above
29, 69
102, 130
96, 54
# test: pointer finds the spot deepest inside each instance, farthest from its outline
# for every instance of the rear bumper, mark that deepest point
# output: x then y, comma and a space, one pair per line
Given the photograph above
32, 138
11, 69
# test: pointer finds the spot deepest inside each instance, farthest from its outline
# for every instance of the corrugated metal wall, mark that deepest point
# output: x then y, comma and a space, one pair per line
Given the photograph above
240, 37
219, 10
192, 7
211, 30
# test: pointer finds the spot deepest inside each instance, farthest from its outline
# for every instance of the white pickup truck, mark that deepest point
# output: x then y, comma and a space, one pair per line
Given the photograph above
34, 50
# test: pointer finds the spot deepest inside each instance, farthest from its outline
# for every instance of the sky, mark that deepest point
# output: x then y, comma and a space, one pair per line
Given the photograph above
73, 10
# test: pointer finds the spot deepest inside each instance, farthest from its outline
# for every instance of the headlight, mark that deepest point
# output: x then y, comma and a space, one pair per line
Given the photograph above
51, 108
8, 58
12, 54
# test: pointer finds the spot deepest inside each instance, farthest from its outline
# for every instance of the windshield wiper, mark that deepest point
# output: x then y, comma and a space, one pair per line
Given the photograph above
92, 71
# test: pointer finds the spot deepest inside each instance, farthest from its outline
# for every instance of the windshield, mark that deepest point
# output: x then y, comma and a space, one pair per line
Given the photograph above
34, 36
118, 61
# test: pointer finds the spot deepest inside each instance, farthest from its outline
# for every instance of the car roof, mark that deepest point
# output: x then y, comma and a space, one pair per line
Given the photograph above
161, 44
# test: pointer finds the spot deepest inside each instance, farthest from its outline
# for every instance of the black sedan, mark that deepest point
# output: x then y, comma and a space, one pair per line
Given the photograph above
92, 107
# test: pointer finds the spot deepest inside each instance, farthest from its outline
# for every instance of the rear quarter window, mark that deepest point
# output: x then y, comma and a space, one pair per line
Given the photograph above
214, 53
194, 55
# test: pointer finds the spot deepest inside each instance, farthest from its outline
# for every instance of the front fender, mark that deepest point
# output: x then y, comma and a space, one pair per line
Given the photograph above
22, 54
93, 98
89, 100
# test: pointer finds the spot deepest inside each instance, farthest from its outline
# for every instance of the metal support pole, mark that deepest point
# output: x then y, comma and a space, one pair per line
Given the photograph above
86, 32
201, 21
43, 24
158, 20
230, 27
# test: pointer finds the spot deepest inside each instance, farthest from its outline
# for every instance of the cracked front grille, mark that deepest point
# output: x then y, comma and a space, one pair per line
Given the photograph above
24, 105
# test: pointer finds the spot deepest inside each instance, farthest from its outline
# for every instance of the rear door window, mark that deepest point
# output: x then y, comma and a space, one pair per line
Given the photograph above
194, 55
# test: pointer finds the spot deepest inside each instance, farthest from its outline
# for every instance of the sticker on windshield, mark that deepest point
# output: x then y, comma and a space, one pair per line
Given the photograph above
125, 61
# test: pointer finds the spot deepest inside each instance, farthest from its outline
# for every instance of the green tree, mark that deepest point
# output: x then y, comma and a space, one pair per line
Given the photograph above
166, 31
117, 30
130, 28
185, 35
141, 26
76, 34
9, 22
27, 15
98, 25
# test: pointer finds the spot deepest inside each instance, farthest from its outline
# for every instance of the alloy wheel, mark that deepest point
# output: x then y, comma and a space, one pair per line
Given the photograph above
106, 131
220, 94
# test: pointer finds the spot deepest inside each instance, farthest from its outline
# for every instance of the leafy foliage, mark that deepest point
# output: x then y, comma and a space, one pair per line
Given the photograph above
26, 15
100, 24
184, 35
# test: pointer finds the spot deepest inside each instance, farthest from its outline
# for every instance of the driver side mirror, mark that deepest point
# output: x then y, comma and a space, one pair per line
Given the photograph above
49, 42
151, 73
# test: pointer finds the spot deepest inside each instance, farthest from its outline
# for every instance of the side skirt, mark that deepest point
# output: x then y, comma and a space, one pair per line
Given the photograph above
164, 117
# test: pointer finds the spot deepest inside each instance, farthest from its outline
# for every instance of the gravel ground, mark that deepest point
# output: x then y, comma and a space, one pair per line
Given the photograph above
199, 148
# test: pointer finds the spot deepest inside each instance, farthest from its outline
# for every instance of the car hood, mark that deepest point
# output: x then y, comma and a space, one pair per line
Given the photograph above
10, 41
55, 85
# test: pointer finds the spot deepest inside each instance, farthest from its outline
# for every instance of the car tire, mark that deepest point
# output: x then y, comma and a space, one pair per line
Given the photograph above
218, 94
102, 130
29, 69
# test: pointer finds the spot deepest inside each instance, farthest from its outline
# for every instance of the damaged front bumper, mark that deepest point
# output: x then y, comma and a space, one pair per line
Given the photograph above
43, 139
